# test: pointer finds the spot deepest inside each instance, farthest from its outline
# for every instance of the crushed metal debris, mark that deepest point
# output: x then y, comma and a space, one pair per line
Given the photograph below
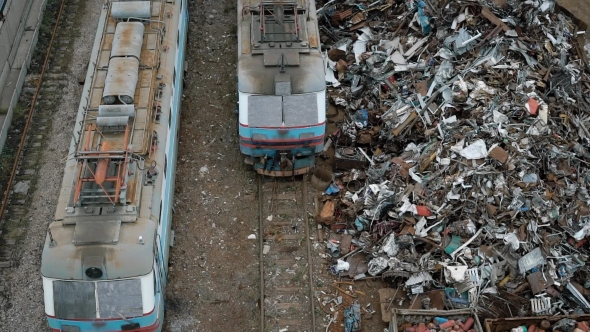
460, 153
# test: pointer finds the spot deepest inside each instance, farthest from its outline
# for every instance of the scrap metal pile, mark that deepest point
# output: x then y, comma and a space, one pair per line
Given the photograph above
461, 151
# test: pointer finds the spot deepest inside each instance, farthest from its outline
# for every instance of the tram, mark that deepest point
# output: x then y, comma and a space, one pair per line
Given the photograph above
281, 86
104, 262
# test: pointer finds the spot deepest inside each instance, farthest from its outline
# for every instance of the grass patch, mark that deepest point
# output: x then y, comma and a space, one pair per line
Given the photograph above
6, 162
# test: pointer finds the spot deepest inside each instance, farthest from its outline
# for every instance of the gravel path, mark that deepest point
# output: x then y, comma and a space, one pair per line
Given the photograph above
23, 294
214, 282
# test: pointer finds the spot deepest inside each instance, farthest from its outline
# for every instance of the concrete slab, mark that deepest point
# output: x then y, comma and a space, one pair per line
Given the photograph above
21, 59
8, 88
30, 21
36, 12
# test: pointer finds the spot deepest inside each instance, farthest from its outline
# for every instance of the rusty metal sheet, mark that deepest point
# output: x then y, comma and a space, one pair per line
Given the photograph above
97, 232
539, 282
148, 58
339, 16
128, 40
101, 76
121, 80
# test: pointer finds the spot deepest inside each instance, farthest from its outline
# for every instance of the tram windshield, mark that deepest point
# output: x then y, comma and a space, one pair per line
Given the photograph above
97, 299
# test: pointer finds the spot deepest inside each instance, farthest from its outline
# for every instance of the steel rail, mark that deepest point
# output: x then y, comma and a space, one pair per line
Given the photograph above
261, 247
309, 257
31, 113
304, 201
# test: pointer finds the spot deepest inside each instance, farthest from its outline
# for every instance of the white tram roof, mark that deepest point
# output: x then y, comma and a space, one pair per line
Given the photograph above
120, 255
275, 34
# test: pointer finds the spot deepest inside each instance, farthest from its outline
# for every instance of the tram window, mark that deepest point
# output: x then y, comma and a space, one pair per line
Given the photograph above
118, 297
74, 299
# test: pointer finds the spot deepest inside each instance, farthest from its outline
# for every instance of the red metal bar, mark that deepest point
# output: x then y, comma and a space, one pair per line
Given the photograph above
102, 166
103, 189
107, 179
121, 175
81, 167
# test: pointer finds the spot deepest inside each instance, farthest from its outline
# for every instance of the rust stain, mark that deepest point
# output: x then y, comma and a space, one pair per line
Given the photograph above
110, 256
111, 24
108, 42
313, 41
147, 58
115, 142
131, 187
246, 46
126, 33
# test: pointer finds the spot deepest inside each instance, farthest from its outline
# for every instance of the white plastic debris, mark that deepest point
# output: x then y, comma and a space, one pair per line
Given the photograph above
407, 206
459, 91
476, 150
390, 247
398, 58
360, 46
418, 278
252, 237
455, 273
582, 233
342, 266
512, 240
499, 117
377, 265
459, 146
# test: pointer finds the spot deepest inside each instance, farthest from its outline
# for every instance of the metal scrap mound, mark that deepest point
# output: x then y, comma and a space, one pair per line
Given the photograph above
461, 151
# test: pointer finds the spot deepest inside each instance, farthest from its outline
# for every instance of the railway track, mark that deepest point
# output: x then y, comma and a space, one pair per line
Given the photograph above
286, 288
32, 122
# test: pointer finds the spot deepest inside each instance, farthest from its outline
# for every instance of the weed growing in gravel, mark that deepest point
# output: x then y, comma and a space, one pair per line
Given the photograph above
6, 161
19, 116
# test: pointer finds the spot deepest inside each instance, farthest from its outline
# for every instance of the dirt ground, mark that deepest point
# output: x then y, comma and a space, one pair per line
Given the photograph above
213, 283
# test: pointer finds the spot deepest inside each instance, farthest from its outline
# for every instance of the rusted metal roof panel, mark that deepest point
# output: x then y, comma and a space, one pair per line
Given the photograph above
128, 40
287, 39
121, 80
254, 77
130, 257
